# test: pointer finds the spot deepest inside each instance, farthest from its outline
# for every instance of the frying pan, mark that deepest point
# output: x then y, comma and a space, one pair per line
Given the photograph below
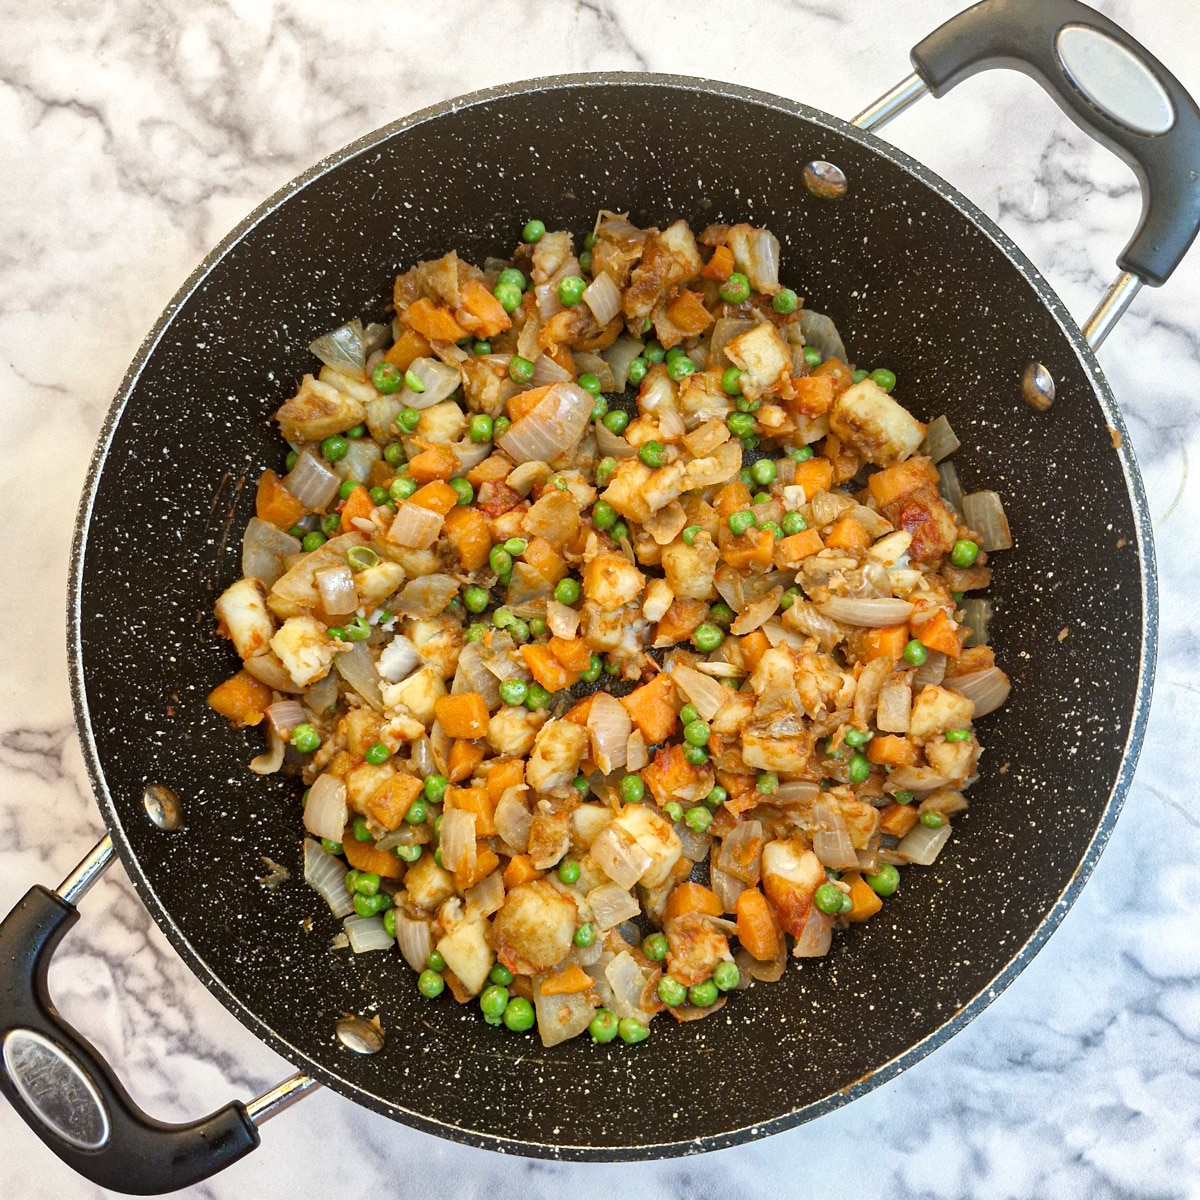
915, 277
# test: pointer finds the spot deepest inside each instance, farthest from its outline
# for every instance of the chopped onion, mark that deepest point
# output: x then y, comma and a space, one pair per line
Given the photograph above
562, 619
609, 727
808, 620
603, 297
339, 596
472, 676
457, 838
916, 779
816, 935
620, 857
637, 754
932, 670
695, 845
923, 844
628, 981
756, 614
513, 819
416, 527
618, 356
357, 668
327, 875
439, 379
987, 689
414, 940
426, 596
398, 659
548, 303
873, 613
546, 370
611, 445
984, 513
552, 427
522, 479
950, 487
726, 887
362, 455
469, 454
894, 707
271, 759
977, 613
822, 335
267, 668
422, 757
382, 412
285, 715
756, 255
264, 549
366, 934
770, 971
870, 683
610, 902
527, 585
312, 481
940, 441
343, 349
560, 1018
798, 792
741, 852
827, 507
325, 810
831, 842
701, 690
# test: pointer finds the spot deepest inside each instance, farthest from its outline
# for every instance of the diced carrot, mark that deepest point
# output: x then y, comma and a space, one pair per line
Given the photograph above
359, 504
464, 715
486, 861
389, 803
242, 699
409, 346
466, 529
848, 534
653, 708
571, 979
888, 641
836, 370
812, 395
464, 757
561, 354
690, 897
866, 902
482, 305
898, 819
733, 496
381, 473
520, 404
791, 551
753, 646
275, 504
670, 772
846, 462
756, 927
579, 714
520, 869
474, 800
544, 559
438, 497
546, 669
504, 773
720, 266
363, 856
573, 653
941, 633
438, 462
750, 551
679, 621
892, 750
688, 314
814, 475
432, 321
494, 469
895, 482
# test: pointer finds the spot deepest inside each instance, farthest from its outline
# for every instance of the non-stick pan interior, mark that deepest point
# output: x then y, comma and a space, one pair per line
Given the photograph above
913, 285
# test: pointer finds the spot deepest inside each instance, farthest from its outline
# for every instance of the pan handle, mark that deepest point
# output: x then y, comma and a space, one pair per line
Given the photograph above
1110, 86
65, 1091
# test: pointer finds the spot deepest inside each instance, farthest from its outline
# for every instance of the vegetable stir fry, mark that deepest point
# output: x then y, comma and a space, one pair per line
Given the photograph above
617, 625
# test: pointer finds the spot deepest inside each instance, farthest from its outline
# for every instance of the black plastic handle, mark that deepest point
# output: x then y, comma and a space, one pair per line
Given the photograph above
1024, 35
66, 1092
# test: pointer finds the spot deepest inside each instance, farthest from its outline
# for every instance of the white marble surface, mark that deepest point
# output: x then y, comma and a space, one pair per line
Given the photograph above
135, 133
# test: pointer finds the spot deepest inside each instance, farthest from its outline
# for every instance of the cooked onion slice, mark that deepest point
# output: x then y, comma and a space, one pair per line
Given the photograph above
873, 613
312, 481
457, 838
940, 441
264, 549
988, 689
414, 939
555, 423
611, 903
984, 513
366, 934
357, 668
327, 875
416, 527
603, 297
339, 596
343, 348
439, 381
618, 356
923, 844
701, 690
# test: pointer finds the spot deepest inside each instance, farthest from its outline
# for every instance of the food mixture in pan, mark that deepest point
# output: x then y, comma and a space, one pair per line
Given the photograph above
621, 628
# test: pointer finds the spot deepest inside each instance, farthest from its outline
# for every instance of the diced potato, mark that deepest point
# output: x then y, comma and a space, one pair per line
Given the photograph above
378, 582
513, 729
467, 953
533, 931
656, 836
880, 429
318, 410
658, 600
439, 641
626, 490
722, 465
791, 875
690, 570
587, 821
427, 884
242, 610
418, 693
305, 649
443, 423
549, 838
664, 485
763, 355
611, 580
955, 760
364, 781
937, 709
559, 748
695, 947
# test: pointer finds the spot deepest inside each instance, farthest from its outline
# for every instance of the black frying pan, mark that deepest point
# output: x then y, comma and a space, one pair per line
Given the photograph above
915, 277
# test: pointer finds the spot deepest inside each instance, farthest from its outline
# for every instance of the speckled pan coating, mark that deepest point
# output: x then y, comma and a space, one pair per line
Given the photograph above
918, 280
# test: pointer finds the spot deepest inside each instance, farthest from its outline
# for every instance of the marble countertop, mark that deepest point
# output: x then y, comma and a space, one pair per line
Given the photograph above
135, 134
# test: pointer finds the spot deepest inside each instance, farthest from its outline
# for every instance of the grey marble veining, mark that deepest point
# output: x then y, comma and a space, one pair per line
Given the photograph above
135, 136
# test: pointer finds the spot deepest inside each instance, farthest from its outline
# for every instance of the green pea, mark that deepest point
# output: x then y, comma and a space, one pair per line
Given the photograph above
585, 261
435, 788
689, 534
914, 653
479, 430
654, 352
812, 357
740, 424
581, 785
616, 421
379, 495
636, 371
903, 796
792, 523
721, 614
763, 472
568, 871
885, 881
366, 883
671, 992
590, 240
313, 541
965, 553
567, 590
435, 961
726, 976
884, 378
689, 713
520, 370
538, 697
702, 995
741, 521
330, 524
603, 1026
533, 231
290, 461
481, 346
585, 935
604, 516
305, 738
351, 879
697, 819
595, 666
475, 599
856, 737
652, 453
430, 984
932, 820
696, 755
519, 1015
788, 598
377, 754
736, 289
618, 531
500, 975
655, 947
958, 735
767, 783
801, 455
760, 498
330, 846
493, 1000
605, 468
696, 733
707, 637
500, 560
402, 487
514, 691
590, 384
611, 668
389, 922
513, 276
409, 854
828, 898
335, 447
632, 789
673, 810
731, 381
570, 290
716, 797
784, 301
681, 368
408, 419
858, 769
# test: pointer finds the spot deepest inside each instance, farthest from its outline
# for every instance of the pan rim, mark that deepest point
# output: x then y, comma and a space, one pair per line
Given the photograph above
982, 999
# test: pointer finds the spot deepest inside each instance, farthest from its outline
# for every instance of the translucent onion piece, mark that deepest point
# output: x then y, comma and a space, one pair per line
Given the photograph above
807, 619
366, 934
285, 715
610, 445
398, 659
637, 753
439, 379
343, 348
756, 255
527, 341
821, 333
603, 297
472, 676
872, 613
950, 487
609, 727
923, 844
984, 513
271, 759
628, 981
546, 370
528, 584
425, 597
414, 940
827, 507
815, 937
798, 792
457, 838
416, 527
357, 668
870, 683
619, 856
523, 478
513, 819
831, 842
469, 454
553, 426
589, 362
267, 668
741, 852
362, 455
770, 971
723, 332
382, 412
263, 550
932, 670
916, 779
486, 897
695, 845
726, 887
756, 614
894, 707
988, 689
312, 481
611, 903
940, 441
327, 875
560, 1018
422, 757
339, 596
325, 810
701, 690
548, 302
562, 619
618, 356
977, 613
